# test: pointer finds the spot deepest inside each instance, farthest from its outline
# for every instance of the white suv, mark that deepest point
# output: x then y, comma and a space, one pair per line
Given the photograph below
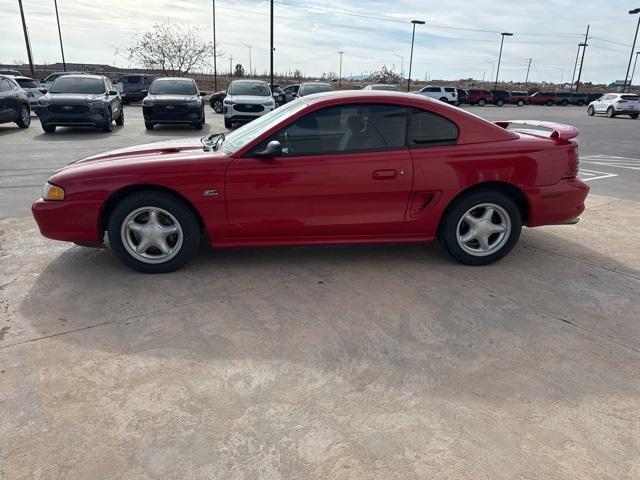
247, 100
613, 104
444, 94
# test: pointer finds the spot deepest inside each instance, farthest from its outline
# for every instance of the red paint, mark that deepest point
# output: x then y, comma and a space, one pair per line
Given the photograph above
384, 196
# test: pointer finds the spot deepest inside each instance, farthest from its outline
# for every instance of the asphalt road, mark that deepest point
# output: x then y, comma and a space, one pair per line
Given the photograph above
610, 149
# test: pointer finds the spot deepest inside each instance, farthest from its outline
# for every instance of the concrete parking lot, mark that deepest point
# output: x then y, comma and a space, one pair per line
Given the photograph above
339, 362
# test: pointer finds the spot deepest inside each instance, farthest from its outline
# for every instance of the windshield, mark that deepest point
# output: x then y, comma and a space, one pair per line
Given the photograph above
392, 88
173, 87
630, 97
309, 89
245, 134
87, 85
27, 83
259, 89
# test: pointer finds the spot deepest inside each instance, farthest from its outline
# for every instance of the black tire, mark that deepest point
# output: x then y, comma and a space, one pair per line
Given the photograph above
453, 218
198, 125
611, 113
227, 123
125, 101
580, 103
217, 106
482, 102
186, 220
591, 111
564, 103
444, 99
148, 126
500, 102
48, 128
24, 119
204, 120
108, 126
634, 116
549, 103
120, 119
520, 103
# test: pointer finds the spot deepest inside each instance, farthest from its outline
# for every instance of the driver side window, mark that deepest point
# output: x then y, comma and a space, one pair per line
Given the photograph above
345, 129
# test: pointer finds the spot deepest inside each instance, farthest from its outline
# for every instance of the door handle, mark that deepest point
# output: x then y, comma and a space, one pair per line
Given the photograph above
387, 174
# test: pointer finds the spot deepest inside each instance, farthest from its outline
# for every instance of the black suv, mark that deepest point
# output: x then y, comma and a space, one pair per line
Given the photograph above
80, 100
132, 86
173, 100
14, 103
500, 97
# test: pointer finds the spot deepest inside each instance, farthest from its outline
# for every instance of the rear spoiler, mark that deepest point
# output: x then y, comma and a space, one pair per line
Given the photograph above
559, 131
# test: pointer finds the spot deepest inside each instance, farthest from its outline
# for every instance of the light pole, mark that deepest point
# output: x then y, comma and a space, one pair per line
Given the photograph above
26, 40
215, 63
631, 12
503, 34
493, 67
634, 70
64, 63
561, 75
250, 66
413, 36
271, 49
340, 74
401, 65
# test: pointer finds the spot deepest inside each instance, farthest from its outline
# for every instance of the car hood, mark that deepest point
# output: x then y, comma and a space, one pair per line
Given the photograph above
248, 98
172, 98
169, 147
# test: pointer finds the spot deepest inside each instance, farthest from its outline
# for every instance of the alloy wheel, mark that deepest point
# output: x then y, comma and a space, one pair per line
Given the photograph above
483, 229
151, 235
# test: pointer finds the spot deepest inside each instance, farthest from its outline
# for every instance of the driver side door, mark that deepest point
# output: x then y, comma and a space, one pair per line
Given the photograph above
345, 171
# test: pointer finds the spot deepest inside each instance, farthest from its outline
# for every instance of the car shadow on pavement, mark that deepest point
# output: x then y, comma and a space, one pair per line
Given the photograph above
287, 301
73, 133
173, 130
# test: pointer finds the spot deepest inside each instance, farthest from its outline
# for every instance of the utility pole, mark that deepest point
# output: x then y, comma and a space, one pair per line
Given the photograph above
634, 70
271, 49
340, 74
64, 63
503, 34
250, 66
528, 70
584, 49
215, 52
575, 67
231, 66
413, 37
26, 40
631, 12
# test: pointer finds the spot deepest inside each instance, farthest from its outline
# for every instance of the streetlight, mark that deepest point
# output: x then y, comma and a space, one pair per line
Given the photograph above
493, 67
340, 74
561, 75
401, 64
64, 63
504, 34
634, 70
413, 36
631, 12
215, 53
250, 66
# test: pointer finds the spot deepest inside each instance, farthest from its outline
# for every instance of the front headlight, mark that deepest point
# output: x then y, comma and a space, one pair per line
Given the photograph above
52, 192
269, 103
229, 102
95, 103
42, 102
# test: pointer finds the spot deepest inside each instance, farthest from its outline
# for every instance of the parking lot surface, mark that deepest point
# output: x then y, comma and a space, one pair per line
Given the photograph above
343, 362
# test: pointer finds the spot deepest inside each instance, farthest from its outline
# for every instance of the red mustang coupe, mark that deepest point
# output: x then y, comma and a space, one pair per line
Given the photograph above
342, 167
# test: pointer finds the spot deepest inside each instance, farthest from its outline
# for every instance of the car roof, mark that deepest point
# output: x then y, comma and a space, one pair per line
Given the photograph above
315, 83
248, 80
22, 77
182, 79
84, 75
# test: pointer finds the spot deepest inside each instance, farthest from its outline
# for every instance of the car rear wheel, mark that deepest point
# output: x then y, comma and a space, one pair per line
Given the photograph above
148, 126
24, 120
611, 112
580, 103
500, 102
48, 128
520, 103
217, 106
564, 103
482, 102
108, 125
120, 119
481, 227
591, 111
153, 232
444, 99
548, 103
634, 116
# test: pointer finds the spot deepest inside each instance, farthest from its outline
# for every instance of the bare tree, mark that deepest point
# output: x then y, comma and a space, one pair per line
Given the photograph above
174, 49
239, 71
385, 75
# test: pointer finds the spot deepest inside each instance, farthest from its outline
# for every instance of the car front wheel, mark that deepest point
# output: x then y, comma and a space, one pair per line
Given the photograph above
48, 128
591, 111
153, 232
611, 112
481, 227
217, 106
108, 122
120, 119
481, 102
24, 120
634, 116
520, 103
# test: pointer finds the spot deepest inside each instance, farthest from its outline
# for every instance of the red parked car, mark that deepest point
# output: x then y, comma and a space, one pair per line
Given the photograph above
479, 97
543, 98
341, 167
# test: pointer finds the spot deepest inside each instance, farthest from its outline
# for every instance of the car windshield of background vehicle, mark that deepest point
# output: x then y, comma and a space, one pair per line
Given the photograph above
258, 89
243, 135
310, 89
66, 84
630, 97
27, 83
173, 87
391, 88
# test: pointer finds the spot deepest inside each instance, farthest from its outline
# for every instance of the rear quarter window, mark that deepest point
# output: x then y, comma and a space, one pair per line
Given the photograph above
428, 129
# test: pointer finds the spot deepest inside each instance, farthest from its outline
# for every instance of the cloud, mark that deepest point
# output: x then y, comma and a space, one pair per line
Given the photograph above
461, 39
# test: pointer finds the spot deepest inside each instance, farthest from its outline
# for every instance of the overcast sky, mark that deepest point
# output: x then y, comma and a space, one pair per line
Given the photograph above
461, 39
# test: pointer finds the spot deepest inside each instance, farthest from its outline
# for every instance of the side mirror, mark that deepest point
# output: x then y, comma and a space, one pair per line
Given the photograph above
144, 92
202, 94
43, 91
112, 92
273, 149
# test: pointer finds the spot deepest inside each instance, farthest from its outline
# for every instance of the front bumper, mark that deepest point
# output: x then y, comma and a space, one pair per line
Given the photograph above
94, 117
556, 204
69, 221
245, 112
172, 113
